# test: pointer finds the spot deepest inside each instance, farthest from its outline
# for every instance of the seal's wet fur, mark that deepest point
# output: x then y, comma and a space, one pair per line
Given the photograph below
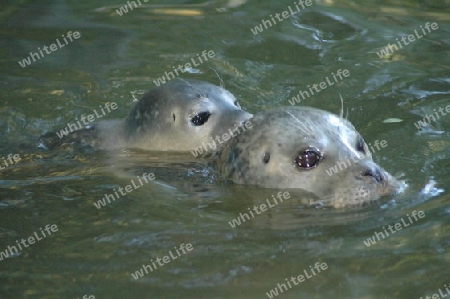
292, 147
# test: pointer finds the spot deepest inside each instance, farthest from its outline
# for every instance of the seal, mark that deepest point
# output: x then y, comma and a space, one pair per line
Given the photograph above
293, 147
177, 116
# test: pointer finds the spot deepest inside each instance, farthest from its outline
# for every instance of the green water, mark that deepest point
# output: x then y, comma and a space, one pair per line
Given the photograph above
116, 58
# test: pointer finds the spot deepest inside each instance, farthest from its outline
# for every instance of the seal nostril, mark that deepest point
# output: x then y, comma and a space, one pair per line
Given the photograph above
375, 173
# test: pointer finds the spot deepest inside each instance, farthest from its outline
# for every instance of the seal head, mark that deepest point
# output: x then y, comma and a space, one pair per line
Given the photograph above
180, 115
306, 148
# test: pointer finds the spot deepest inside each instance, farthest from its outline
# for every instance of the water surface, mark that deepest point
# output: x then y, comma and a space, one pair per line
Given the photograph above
117, 58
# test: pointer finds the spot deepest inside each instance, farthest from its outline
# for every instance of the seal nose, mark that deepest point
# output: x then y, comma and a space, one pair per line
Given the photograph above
243, 122
375, 173
247, 116
243, 117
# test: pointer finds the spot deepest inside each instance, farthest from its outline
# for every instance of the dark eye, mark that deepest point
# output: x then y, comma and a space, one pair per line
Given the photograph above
200, 119
266, 158
360, 145
236, 103
308, 158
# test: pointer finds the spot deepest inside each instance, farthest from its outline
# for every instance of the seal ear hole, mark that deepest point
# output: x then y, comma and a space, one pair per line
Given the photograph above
173, 115
308, 158
360, 145
266, 158
200, 118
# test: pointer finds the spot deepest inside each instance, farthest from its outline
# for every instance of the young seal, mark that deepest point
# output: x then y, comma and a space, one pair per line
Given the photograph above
177, 116
293, 147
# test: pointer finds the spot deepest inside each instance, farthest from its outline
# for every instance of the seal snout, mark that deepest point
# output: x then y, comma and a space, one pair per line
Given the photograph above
387, 183
376, 173
238, 117
243, 122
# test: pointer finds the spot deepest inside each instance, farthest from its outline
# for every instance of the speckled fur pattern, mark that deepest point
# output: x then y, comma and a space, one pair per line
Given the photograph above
283, 133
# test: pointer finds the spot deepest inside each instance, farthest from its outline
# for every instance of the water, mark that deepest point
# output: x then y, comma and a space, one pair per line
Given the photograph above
116, 58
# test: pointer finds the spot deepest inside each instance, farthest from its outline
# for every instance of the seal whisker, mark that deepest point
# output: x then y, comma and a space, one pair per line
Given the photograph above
342, 106
189, 84
220, 79
305, 129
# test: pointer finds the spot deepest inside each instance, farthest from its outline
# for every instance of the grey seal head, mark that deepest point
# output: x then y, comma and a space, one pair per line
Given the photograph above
293, 147
182, 114
177, 116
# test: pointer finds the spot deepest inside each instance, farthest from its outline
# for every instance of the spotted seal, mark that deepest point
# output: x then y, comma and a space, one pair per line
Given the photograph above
177, 116
293, 147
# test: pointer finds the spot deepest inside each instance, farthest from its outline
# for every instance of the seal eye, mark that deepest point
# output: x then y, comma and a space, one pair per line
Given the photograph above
360, 145
308, 158
200, 119
236, 103
266, 158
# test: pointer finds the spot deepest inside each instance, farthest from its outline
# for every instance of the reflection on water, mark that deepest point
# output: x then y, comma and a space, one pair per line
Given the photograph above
95, 251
